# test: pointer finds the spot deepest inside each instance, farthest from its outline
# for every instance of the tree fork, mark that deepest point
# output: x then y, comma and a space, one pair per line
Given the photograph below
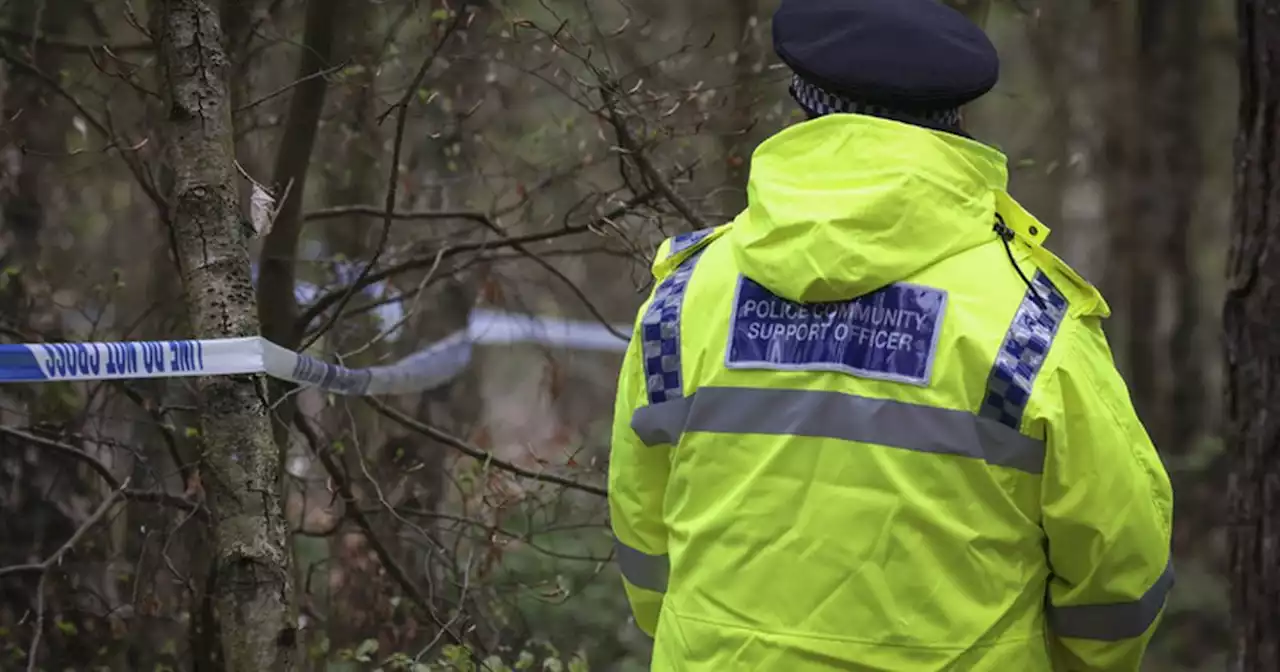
252, 589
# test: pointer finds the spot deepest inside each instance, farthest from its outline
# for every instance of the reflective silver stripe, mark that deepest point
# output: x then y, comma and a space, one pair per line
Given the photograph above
643, 570
662, 423
1113, 622
832, 415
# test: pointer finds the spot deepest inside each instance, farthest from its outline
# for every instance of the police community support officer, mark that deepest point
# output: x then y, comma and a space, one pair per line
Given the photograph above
873, 424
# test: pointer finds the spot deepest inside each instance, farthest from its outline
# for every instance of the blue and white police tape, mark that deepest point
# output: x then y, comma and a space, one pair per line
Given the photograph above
426, 369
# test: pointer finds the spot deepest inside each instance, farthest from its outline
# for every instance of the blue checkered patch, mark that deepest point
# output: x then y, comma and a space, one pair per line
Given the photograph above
1025, 346
660, 333
685, 241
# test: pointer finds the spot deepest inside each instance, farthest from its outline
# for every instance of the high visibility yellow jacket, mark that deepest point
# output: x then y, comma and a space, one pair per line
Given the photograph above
850, 436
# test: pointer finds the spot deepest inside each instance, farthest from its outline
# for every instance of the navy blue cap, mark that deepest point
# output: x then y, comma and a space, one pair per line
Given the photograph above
881, 56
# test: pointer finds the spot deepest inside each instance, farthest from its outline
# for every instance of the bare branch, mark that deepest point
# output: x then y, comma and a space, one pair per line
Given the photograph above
74, 46
131, 161
393, 181
84, 528
277, 303
480, 454
287, 87
325, 301
637, 154
48, 563
34, 648
388, 561
101, 469
340, 211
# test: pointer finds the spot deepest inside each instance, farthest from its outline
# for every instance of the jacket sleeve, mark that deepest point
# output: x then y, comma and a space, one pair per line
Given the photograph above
637, 482
1107, 512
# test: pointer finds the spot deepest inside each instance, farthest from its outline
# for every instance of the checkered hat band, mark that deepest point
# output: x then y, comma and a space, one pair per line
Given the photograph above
822, 102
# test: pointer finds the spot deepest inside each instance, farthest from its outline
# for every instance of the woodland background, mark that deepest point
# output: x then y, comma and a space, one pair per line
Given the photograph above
533, 152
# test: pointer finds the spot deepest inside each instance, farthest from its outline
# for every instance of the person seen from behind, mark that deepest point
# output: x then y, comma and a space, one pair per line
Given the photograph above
873, 423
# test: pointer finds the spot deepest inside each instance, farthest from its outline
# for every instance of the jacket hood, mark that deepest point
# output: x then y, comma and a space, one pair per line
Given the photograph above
843, 205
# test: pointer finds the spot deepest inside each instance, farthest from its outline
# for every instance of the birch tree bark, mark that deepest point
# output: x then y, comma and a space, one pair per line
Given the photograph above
1253, 345
251, 585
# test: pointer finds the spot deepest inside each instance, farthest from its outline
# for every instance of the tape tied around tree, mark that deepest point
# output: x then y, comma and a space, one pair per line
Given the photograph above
424, 370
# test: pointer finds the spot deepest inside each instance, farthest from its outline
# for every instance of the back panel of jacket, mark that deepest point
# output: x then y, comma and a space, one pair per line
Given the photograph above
850, 435
833, 509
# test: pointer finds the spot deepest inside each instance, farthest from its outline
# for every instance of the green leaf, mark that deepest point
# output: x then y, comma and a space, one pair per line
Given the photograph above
440, 15
191, 432
67, 627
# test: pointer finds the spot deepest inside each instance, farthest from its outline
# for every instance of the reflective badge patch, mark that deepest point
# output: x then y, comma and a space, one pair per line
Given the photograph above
891, 334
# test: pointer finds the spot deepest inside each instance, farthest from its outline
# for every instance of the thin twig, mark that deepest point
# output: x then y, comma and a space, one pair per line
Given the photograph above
321, 304
39, 631
496, 529
102, 128
388, 561
393, 181
84, 528
641, 159
340, 211
287, 87
485, 457
54, 559
74, 46
101, 469
568, 282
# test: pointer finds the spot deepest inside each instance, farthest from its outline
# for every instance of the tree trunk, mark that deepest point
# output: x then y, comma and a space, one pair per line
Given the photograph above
32, 135
252, 587
1129, 276
1166, 377
279, 304
743, 133
1251, 313
1178, 149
